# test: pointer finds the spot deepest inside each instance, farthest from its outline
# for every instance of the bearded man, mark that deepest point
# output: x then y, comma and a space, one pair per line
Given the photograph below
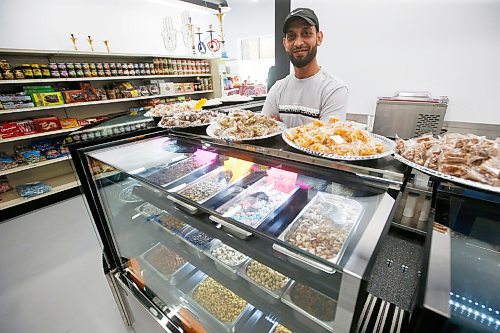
309, 93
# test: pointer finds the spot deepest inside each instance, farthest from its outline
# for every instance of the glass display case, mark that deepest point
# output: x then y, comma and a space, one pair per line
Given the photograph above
461, 291
211, 236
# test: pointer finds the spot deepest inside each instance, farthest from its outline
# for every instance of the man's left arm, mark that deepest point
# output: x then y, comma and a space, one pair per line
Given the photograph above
334, 104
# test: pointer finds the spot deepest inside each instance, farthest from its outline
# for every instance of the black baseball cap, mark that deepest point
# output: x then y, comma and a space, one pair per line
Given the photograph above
304, 13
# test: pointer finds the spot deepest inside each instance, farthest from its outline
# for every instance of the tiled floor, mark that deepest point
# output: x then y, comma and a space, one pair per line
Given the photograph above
51, 277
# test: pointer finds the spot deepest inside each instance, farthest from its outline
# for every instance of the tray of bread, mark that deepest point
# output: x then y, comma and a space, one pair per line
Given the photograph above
462, 158
338, 140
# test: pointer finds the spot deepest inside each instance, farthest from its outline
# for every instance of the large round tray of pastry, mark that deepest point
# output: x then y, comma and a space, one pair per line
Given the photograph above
190, 119
338, 140
461, 158
244, 126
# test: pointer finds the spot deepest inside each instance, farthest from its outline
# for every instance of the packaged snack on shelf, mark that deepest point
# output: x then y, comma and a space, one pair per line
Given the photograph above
29, 190
9, 130
4, 185
26, 127
90, 93
48, 99
179, 87
68, 123
7, 162
74, 96
47, 124
29, 155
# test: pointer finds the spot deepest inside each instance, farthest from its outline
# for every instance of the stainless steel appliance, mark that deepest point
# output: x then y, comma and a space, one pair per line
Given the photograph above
409, 114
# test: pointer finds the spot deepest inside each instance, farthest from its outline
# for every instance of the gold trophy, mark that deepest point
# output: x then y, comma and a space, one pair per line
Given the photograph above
220, 16
91, 41
106, 42
73, 39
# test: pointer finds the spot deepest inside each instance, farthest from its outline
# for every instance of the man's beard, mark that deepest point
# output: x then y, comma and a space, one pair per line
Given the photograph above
302, 62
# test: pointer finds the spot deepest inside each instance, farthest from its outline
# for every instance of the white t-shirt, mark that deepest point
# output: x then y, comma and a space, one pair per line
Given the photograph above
300, 101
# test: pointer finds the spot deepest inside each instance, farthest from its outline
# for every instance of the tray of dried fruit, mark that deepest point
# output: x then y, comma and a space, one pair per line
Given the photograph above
465, 159
162, 261
323, 228
175, 228
226, 259
212, 302
253, 206
245, 126
204, 188
338, 140
264, 281
311, 304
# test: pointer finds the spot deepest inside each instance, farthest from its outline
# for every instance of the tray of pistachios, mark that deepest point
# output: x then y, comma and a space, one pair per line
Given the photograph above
213, 302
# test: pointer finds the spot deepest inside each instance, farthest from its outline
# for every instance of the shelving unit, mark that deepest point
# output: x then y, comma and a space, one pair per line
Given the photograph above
40, 135
60, 183
109, 101
34, 165
57, 172
106, 78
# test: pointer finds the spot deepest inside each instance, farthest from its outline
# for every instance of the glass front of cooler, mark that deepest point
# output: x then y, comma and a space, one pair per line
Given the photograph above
217, 239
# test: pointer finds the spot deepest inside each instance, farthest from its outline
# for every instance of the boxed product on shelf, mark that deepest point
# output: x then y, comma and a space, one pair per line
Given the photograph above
9, 130
179, 87
90, 93
50, 149
47, 124
188, 87
29, 155
26, 127
68, 122
74, 96
48, 99
17, 97
167, 88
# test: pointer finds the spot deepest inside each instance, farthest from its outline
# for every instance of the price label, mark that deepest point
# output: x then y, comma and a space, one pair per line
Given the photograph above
284, 181
238, 167
203, 157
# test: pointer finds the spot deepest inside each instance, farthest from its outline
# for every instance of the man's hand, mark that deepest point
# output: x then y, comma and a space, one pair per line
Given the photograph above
276, 117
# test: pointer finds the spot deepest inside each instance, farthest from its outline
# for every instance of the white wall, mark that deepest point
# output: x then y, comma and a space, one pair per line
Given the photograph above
130, 26
448, 47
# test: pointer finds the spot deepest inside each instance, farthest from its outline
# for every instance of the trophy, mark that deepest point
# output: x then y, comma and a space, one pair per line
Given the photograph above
106, 42
91, 41
73, 39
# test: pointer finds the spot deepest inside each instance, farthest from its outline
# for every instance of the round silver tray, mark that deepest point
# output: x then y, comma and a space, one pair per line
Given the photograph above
213, 127
445, 176
390, 146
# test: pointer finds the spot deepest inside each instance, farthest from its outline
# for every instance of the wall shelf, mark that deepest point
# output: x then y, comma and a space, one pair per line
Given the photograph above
40, 135
118, 100
34, 165
106, 78
58, 184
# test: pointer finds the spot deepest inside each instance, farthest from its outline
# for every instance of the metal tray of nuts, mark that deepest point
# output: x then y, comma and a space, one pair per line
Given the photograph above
220, 180
274, 328
175, 236
271, 296
229, 207
230, 271
194, 249
334, 206
299, 313
166, 277
177, 164
220, 326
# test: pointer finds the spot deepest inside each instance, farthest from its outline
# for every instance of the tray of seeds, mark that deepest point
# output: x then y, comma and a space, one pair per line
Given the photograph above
226, 259
197, 242
278, 328
308, 302
323, 228
163, 261
173, 226
206, 187
217, 303
264, 281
